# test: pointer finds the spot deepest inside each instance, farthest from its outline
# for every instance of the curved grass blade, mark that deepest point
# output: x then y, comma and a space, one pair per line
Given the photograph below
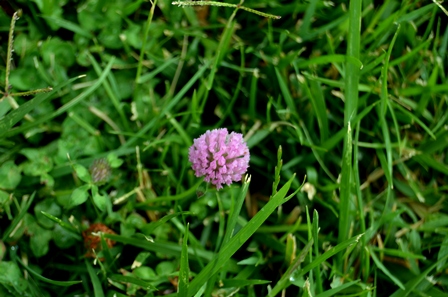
385, 270
47, 280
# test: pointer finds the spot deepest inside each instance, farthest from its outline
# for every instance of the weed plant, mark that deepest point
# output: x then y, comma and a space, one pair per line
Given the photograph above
343, 105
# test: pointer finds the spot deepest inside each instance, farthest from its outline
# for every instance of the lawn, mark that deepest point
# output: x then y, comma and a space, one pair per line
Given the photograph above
211, 148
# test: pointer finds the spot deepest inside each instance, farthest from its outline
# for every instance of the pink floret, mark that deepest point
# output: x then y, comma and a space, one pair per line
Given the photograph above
220, 157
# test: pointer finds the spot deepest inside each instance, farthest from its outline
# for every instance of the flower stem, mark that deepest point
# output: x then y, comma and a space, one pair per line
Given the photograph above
214, 3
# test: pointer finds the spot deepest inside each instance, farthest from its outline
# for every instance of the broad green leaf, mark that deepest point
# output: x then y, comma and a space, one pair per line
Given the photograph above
79, 196
10, 175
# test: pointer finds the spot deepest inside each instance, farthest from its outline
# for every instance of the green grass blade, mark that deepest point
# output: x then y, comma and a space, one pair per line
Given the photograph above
184, 267
385, 270
307, 18
47, 280
235, 211
18, 217
132, 280
110, 93
97, 288
442, 255
238, 283
350, 110
239, 239
150, 227
222, 47
336, 290
413, 283
317, 274
285, 92
318, 101
414, 118
150, 75
145, 39
387, 166
345, 204
68, 25
63, 224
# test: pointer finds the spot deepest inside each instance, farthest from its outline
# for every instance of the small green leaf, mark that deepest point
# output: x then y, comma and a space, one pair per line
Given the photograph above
79, 196
9, 175
114, 161
99, 200
39, 237
82, 173
39, 242
145, 273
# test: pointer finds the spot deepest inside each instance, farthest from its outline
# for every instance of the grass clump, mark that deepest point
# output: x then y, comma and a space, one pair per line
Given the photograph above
343, 108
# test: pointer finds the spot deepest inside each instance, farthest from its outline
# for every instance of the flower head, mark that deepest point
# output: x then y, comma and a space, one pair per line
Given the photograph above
100, 171
220, 157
